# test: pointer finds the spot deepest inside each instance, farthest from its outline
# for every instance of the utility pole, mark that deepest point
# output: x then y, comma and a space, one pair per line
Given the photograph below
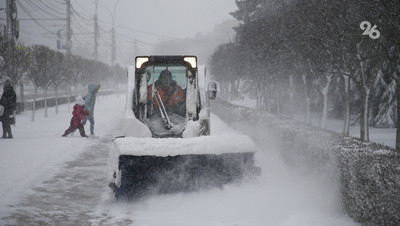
96, 34
113, 48
69, 32
12, 31
8, 29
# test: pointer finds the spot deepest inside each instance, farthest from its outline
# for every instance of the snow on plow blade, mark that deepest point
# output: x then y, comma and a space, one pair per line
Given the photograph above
145, 166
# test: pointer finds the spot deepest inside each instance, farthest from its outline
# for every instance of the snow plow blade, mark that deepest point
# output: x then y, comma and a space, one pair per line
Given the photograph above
145, 171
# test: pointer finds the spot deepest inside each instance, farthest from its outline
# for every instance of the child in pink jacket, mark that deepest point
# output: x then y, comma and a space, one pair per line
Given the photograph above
78, 115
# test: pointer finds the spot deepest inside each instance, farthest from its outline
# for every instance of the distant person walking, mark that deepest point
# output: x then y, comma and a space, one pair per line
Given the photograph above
90, 99
78, 114
9, 102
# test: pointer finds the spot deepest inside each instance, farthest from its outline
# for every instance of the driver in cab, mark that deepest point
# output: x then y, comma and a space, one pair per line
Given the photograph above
170, 92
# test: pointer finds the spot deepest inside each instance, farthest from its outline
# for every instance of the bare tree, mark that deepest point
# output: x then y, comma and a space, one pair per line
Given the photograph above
16, 62
77, 71
39, 71
49, 72
390, 46
61, 73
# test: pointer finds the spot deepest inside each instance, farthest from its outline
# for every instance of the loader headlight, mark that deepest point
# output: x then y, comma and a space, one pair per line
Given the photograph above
191, 60
140, 61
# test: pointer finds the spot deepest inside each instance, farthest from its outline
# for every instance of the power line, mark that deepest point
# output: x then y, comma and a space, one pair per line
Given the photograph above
41, 11
161, 35
53, 25
79, 25
26, 11
79, 15
43, 19
52, 7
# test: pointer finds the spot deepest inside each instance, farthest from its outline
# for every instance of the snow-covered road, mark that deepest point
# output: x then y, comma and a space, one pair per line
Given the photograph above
51, 180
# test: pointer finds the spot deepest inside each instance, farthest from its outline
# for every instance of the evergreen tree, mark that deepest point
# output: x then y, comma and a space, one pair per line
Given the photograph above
387, 113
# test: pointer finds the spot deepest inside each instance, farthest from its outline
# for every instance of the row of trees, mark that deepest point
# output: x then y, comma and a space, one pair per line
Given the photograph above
42, 67
312, 54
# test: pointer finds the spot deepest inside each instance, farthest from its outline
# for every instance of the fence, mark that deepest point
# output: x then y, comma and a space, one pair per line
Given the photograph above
27, 105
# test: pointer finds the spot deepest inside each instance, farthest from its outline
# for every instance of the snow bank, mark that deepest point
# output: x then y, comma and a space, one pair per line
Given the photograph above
370, 180
367, 173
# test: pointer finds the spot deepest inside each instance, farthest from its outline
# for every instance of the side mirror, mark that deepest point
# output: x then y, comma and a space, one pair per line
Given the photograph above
212, 90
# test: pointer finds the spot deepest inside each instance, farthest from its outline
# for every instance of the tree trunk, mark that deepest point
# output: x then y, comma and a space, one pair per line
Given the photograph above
45, 102
258, 97
230, 95
308, 103
398, 115
291, 96
364, 84
278, 103
268, 97
346, 126
324, 93
117, 88
34, 105
364, 129
21, 93
76, 88
56, 92
236, 90
69, 96
322, 121
221, 91
265, 98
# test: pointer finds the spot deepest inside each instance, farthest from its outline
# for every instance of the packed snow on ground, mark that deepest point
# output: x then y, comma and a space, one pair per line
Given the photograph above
37, 150
278, 197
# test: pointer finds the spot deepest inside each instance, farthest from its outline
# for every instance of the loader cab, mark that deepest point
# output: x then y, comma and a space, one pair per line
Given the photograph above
166, 94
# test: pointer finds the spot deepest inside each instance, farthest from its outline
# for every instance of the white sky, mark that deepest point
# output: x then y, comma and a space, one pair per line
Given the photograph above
147, 22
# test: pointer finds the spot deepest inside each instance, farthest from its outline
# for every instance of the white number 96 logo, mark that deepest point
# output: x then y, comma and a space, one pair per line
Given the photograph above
370, 31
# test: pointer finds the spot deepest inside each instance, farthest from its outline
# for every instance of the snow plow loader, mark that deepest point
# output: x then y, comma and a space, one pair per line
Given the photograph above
167, 145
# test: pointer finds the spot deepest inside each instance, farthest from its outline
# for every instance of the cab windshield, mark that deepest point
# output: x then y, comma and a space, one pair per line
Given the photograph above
178, 74
166, 95
166, 88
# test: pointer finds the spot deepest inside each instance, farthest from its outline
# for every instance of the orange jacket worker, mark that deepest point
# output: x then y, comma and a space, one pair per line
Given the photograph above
170, 92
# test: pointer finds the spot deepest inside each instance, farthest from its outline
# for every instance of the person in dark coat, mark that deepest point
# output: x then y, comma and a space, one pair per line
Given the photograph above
9, 102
